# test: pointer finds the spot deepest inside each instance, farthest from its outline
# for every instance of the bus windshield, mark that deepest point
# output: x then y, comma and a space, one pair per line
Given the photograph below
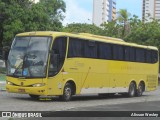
28, 57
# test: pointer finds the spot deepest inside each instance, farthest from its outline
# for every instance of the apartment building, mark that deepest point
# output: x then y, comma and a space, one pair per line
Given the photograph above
103, 11
150, 9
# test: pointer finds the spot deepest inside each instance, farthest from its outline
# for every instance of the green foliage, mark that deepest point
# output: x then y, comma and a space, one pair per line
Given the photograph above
111, 29
22, 15
136, 30
83, 28
122, 18
145, 33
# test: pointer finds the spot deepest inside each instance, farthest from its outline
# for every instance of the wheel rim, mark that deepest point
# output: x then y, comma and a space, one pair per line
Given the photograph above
67, 93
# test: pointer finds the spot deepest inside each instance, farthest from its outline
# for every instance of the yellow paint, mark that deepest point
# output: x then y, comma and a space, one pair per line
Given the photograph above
89, 73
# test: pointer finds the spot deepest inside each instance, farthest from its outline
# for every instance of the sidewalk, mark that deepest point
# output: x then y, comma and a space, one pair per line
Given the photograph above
2, 81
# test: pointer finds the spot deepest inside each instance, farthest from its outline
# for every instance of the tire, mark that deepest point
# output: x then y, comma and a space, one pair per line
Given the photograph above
103, 94
67, 92
132, 90
106, 94
111, 94
140, 89
34, 97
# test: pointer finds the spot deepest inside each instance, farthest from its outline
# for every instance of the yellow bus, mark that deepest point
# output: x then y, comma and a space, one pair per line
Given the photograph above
64, 64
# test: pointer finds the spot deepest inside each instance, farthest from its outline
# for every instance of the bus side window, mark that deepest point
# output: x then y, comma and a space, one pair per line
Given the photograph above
154, 56
105, 51
148, 56
132, 54
75, 48
90, 49
127, 54
118, 52
140, 55
57, 55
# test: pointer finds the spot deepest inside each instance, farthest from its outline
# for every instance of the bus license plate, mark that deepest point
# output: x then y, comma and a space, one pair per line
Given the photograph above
21, 90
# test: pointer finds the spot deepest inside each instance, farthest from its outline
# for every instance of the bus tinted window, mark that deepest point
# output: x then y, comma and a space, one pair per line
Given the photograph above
148, 56
105, 51
132, 54
75, 48
118, 52
127, 54
140, 55
90, 49
57, 56
154, 56
99, 50
59, 46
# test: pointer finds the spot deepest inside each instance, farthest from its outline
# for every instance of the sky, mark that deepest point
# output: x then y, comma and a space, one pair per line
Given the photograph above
80, 11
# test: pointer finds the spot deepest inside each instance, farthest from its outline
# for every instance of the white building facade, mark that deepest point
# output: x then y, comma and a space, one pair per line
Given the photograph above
150, 9
103, 11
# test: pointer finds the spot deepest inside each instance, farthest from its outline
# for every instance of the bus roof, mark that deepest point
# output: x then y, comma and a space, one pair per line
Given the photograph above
86, 36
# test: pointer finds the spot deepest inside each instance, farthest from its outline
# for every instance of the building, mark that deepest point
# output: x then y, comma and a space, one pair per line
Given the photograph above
112, 10
103, 11
35, 1
150, 9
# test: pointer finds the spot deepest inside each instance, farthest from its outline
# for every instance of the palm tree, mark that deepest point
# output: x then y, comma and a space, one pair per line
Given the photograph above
123, 17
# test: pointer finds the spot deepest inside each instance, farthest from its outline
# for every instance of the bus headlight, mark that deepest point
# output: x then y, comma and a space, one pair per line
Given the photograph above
9, 83
38, 85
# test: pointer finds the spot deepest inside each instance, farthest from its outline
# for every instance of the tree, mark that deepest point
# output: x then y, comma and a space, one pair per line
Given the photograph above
53, 10
123, 17
22, 15
83, 28
111, 29
2, 18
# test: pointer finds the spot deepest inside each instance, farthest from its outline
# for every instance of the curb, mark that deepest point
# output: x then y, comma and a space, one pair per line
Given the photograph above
2, 85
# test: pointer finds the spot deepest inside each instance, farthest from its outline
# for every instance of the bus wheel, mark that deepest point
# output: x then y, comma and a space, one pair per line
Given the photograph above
140, 89
132, 89
35, 97
67, 92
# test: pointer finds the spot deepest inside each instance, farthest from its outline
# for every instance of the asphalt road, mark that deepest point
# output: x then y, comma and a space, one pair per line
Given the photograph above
131, 108
140, 106
19, 102
135, 108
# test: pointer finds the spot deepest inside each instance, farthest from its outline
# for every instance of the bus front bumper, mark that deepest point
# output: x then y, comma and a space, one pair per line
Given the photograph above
26, 90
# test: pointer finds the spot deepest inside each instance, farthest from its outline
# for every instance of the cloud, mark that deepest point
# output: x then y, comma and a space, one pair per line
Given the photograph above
76, 14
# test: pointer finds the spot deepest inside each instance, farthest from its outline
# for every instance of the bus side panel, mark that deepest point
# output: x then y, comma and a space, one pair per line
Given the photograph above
73, 68
55, 85
106, 76
95, 79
